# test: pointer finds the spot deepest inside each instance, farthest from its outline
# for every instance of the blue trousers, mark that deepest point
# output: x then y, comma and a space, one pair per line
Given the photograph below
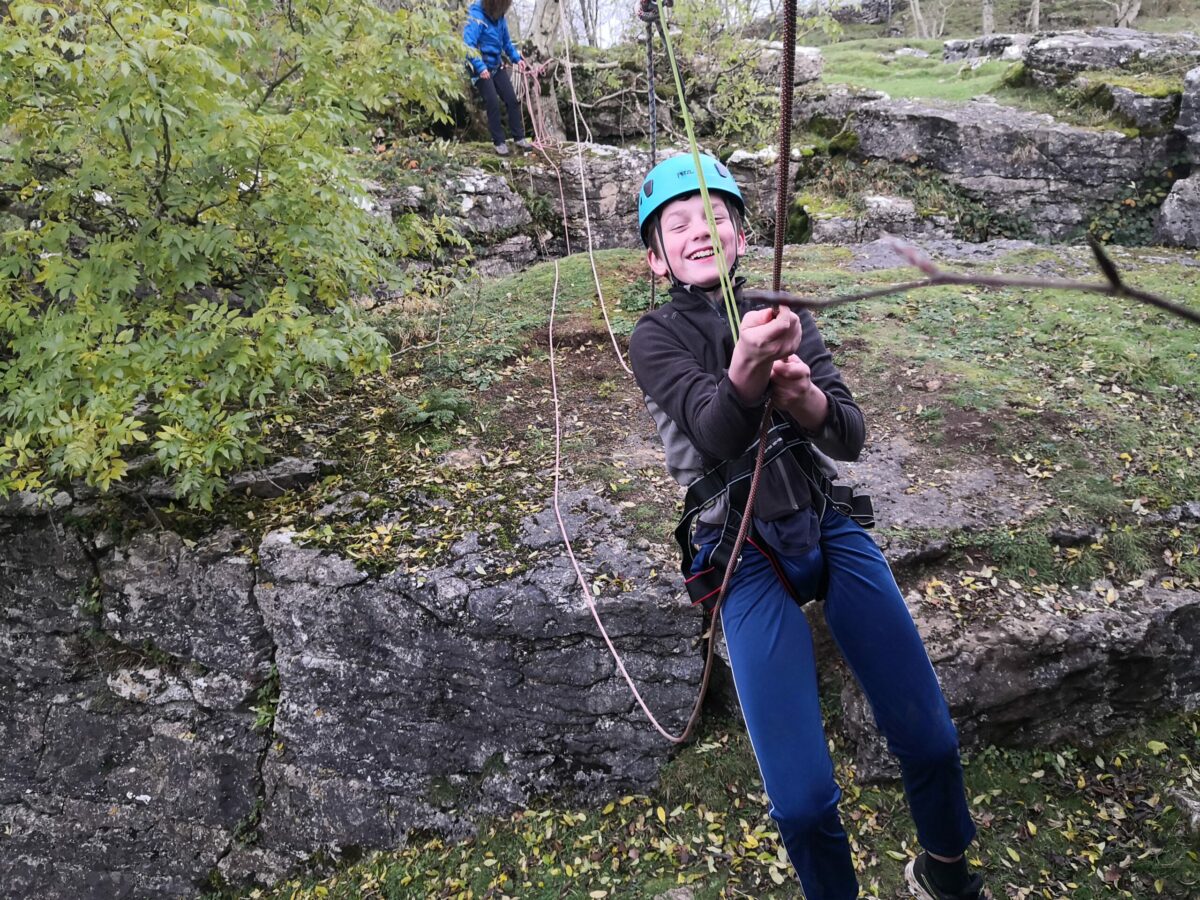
771, 653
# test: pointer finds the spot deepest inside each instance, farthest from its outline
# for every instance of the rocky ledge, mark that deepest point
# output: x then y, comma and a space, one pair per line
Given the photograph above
173, 710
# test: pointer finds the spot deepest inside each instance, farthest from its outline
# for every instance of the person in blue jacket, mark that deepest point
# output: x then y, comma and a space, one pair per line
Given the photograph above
486, 33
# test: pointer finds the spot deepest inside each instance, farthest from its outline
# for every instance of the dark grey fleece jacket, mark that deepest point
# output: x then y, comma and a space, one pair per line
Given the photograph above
680, 354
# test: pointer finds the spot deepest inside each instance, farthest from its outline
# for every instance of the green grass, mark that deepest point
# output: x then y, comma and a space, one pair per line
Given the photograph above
1094, 402
872, 64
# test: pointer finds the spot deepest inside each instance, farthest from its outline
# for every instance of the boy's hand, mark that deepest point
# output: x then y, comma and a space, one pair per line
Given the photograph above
794, 391
766, 336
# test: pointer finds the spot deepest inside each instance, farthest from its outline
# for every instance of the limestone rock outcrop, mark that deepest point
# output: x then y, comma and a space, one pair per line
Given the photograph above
1054, 59
171, 709
1179, 218
1026, 166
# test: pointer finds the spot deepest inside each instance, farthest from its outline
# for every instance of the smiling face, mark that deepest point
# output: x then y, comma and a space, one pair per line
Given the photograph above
686, 244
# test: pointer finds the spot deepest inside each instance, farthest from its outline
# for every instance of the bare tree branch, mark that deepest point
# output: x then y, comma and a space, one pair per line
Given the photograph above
1114, 286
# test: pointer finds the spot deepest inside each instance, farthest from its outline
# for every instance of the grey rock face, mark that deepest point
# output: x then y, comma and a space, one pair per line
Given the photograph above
129, 760
988, 46
1146, 113
510, 255
757, 177
1053, 177
193, 602
117, 777
1179, 218
1038, 677
612, 177
280, 477
405, 698
1072, 680
882, 216
1188, 123
1053, 59
484, 204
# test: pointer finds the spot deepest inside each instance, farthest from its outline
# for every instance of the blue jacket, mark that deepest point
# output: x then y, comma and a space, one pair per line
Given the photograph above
489, 38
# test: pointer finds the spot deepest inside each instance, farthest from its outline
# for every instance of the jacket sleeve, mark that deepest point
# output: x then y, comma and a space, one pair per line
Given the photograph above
472, 33
506, 42
704, 406
843, 432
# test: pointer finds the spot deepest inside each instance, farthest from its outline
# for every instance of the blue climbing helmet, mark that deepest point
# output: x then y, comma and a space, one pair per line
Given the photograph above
676, 177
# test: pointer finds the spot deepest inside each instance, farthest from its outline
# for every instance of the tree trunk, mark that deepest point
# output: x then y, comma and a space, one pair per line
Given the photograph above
587, 9
1127, 12
989, 16
1033, 21
545, 33
918, 19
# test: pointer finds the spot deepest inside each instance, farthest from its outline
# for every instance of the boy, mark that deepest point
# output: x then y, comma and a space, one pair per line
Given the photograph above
707, 393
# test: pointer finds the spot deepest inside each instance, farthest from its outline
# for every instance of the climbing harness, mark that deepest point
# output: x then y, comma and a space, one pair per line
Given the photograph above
730, 481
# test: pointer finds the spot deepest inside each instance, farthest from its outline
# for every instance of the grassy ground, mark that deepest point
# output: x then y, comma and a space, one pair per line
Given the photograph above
965, 19
1092, 404
1093, 401
872, 63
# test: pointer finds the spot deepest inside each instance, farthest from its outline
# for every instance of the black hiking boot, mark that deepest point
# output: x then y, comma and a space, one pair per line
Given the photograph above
920, 885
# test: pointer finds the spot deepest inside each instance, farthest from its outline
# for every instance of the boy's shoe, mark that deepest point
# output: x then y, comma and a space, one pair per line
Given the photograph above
921, 885
501, 149
523, 144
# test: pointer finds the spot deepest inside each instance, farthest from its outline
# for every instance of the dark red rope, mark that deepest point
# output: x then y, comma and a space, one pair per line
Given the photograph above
783, 179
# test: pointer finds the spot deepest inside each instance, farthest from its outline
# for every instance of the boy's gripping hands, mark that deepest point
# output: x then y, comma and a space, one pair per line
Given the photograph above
794, 392
765, 355
766, 335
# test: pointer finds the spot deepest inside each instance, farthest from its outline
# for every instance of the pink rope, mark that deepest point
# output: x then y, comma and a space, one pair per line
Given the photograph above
587, 219
587, 595
533, 102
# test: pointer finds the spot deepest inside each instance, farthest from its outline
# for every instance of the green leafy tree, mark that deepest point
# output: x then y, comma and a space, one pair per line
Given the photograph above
182, 225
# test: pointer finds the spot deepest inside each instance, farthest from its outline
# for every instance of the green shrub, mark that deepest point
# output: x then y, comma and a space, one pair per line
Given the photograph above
182, 228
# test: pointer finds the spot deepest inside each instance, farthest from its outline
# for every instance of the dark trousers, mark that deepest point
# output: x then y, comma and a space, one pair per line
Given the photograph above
771, 653
493, 90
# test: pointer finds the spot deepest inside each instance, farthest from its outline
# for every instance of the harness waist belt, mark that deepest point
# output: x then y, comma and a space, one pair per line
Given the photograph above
732, 478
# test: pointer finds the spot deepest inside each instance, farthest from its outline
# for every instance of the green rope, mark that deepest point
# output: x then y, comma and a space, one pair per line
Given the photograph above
731, 309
